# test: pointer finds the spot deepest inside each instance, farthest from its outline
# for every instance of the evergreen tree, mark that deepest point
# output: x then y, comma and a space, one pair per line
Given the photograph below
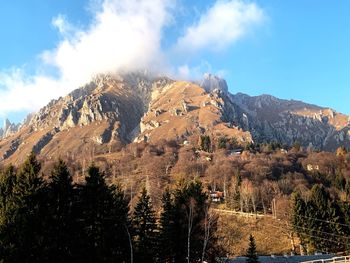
222, 143
190, 203
104, 221
144, 223
320, 222
345, 223
8, 181
167, 229
251, 251
299, 221
205, 143
60, 224
318, 213
22, 232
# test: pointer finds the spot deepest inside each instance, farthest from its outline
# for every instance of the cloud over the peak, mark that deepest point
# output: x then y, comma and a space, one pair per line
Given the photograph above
122, 36
223, 24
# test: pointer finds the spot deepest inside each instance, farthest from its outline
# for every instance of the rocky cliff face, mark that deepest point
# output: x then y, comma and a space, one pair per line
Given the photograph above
184, 111
272, 119
9, 129
104, 112
119, 101
211, 82
114, 110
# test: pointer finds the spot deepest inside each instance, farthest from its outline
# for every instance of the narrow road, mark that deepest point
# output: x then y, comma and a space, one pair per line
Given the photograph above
237, 213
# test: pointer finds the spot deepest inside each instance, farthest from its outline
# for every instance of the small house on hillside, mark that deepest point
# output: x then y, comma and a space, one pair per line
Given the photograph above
312, 167
236, 152
217, 196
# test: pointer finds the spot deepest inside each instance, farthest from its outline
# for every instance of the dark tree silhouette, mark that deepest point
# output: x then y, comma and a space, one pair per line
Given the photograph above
251, 251
144, 224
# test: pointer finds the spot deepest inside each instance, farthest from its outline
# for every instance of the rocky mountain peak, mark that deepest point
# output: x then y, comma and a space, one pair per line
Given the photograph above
211, 82
117, 109
9, 129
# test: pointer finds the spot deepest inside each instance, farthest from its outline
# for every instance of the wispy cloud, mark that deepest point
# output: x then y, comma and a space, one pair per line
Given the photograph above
223, 24
25, 93
123, 36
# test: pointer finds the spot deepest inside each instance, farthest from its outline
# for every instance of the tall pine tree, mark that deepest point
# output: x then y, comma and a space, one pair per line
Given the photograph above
104, 220
190, 204
320, 222
299, 221
22, 233
60, 223
251, 251
8, 180
144, 223
167, 229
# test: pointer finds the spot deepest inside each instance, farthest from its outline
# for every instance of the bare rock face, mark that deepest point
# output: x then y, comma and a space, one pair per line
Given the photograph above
184, 111
211, 82
106, 98
9, 129
114, 110
272, 119
105, 111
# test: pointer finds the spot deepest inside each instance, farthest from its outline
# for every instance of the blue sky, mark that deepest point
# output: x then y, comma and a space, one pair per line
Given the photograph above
292, 49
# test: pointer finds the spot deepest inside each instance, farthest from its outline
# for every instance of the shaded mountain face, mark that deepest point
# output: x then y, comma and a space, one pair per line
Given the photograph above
272, 119
111, 111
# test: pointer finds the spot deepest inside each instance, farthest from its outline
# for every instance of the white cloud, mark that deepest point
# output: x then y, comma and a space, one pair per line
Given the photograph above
195, 73
60, 23
24, 93
223, 24
66, 29
184, 71
123, 36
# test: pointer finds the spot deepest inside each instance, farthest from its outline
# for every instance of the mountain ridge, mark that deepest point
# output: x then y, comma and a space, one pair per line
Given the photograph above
114, 110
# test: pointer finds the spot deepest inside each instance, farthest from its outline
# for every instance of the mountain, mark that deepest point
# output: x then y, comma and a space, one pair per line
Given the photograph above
288, 121
9, 129
112, 111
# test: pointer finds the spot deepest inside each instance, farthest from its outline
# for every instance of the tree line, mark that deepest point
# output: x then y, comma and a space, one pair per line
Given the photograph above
321, 222
57, 220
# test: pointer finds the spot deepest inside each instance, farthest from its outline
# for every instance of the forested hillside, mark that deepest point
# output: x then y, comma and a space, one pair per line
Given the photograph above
154, 201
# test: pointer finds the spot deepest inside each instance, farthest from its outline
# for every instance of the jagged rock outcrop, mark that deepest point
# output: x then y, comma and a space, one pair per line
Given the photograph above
103, 113
287, 121
9, 129
114, 110
184, 111
121, 99
211, 82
